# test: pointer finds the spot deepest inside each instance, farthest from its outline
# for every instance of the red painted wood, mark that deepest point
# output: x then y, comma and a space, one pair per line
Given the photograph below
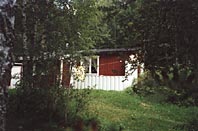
111, 65
66, 74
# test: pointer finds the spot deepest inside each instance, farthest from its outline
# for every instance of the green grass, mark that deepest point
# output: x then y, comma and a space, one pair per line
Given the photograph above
110, 111
117, 110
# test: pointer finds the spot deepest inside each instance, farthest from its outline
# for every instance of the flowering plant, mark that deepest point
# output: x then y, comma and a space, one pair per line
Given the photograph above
79, 73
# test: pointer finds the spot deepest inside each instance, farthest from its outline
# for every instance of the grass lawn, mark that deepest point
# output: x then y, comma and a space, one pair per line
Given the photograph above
117, 110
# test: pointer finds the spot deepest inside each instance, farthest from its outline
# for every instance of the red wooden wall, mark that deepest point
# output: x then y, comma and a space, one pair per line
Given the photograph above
111, 65
66, 74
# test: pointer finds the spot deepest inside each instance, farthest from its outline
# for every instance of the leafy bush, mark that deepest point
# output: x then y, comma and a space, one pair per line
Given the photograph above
145, 85
40, 106
177, 86
183, 85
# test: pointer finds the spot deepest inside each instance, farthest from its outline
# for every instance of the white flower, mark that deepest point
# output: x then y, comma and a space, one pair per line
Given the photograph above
79, 73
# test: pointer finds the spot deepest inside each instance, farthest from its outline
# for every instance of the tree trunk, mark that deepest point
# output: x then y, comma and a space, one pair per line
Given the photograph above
6, 45
27, 59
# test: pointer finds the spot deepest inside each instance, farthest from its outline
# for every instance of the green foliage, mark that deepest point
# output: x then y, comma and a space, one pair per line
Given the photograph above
106, 111
176, 86
60, 26
55, 29
119, 16
145, 85
183, 86
43, 106
167, 32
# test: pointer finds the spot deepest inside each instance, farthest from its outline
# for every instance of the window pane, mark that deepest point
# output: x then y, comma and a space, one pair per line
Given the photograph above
86, 64
94, 65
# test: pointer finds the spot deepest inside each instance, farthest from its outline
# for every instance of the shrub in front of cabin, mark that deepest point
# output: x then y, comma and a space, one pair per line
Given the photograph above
45, 108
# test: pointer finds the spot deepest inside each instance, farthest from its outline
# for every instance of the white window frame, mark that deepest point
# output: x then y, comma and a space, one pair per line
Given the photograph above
90, 64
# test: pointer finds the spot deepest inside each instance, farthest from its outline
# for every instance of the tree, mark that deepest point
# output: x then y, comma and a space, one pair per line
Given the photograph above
55, 29
168, 35
119, 15
47, 31
166, 32
169, 28
6, 46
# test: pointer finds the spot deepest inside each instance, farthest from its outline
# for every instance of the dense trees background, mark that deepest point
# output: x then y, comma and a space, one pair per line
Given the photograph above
168, 33
49, 30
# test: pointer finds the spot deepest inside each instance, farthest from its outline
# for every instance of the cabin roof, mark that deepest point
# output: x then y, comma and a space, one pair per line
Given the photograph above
115, 50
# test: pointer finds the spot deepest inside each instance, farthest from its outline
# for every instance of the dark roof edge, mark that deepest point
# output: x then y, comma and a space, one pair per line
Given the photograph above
115, 50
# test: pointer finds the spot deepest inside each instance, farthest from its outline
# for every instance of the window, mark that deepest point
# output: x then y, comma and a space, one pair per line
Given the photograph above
91, 64
16, 74
94, 65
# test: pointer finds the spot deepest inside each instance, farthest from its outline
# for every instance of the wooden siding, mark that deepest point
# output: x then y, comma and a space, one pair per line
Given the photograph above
66, 74
111, 65
117, 83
